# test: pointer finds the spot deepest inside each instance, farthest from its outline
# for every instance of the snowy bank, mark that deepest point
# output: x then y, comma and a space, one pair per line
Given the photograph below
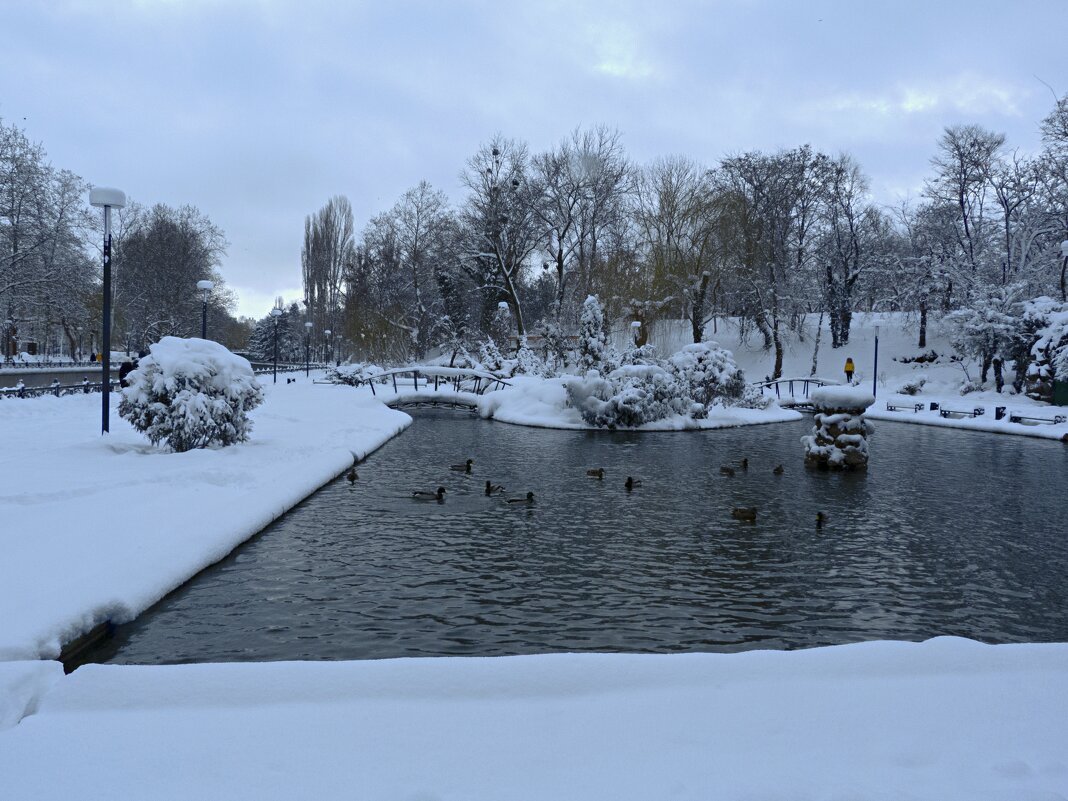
100, 528
543, 403
937, 721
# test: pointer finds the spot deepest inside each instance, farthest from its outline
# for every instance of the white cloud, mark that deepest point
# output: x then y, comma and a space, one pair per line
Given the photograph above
254, 302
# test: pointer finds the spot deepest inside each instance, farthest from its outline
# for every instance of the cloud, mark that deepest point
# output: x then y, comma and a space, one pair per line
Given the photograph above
967, 94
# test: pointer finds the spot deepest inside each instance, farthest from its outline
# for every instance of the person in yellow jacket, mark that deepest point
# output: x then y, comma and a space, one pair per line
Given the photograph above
849, 370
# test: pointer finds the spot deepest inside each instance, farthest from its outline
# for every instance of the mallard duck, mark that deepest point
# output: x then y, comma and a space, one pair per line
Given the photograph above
493, 489
821, 518
631, 483
778, 470
727, 471
351, 475
598, 473
529, 498
438, 496
463, 468
745, 463
747, 513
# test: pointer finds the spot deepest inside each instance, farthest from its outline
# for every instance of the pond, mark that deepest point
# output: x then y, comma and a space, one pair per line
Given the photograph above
948, 532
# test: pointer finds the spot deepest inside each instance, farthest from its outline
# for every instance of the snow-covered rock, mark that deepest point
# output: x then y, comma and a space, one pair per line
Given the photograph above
839, 439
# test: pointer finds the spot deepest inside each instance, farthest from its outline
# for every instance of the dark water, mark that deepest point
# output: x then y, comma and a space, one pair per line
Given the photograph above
947, 533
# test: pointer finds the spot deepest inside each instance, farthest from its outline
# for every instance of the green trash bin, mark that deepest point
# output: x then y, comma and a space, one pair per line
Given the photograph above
1060, 393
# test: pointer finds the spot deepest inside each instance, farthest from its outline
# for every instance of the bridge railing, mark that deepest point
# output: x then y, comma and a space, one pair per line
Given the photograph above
792, 388
477, 381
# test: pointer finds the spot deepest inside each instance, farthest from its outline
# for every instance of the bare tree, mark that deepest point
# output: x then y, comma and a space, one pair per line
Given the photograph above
328, 251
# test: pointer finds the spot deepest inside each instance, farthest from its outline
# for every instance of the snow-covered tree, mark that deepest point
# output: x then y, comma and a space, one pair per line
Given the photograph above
1049, 351
593, 335
191, 393
987, 330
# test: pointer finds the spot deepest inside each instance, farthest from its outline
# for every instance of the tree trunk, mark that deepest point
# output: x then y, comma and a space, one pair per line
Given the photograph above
984, 367
816, 348
923, 324
999, 378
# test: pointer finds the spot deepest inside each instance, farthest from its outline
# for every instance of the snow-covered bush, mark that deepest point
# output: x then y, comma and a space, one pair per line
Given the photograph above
527, 361
708, 374
914, 386
593, 336
491, 357
645, 354
354, 375
191, 393
629, 397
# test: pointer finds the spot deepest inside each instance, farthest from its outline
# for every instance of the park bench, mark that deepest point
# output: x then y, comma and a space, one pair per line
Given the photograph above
901, 407
1033, 421
957, 414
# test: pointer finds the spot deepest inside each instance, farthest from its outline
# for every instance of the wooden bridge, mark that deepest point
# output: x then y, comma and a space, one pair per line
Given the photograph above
793, 392
433, 386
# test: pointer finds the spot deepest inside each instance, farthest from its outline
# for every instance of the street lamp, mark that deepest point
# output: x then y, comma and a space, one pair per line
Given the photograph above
107, 199
205, 287
875, 369
1064, 268
276, 313
329, 351
307, 349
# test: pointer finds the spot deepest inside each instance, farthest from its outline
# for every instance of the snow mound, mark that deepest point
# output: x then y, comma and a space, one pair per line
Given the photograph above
838, 397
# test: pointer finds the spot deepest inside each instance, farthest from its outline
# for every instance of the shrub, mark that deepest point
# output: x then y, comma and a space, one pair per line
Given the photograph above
354, 375
913, 387
708, 374
191, 393
629, 397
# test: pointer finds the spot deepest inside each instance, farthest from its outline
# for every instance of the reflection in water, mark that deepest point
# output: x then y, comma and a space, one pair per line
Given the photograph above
946, 533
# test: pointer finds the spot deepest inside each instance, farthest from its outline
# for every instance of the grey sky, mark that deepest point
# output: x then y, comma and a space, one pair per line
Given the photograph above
258, 112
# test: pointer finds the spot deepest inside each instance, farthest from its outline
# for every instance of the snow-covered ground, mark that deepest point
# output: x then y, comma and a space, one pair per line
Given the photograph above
98, 528
943, 720
897, 341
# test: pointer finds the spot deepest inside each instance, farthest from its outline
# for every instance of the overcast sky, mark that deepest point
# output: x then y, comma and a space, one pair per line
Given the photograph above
258, 112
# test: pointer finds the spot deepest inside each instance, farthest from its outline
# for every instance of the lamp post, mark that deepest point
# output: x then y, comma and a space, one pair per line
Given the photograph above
1064, 269
205, 287
107, 199
276, 313
875, 369
329, 351
307, 349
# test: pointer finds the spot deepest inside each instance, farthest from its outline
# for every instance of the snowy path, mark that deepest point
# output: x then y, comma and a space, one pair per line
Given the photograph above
943, 720
98, 528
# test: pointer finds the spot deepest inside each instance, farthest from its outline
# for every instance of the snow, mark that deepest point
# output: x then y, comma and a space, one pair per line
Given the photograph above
841, 397
98, 528
943, 720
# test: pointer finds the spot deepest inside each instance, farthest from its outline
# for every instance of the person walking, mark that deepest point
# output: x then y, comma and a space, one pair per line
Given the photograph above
849, 370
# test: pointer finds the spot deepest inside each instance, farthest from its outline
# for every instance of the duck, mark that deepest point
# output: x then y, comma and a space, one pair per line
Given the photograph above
745, 463
528, 499
598, 473
727, 471
463, 468
778, 470
747, 513
351, 475
631, 483
493, 489
438, 496
821, 518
